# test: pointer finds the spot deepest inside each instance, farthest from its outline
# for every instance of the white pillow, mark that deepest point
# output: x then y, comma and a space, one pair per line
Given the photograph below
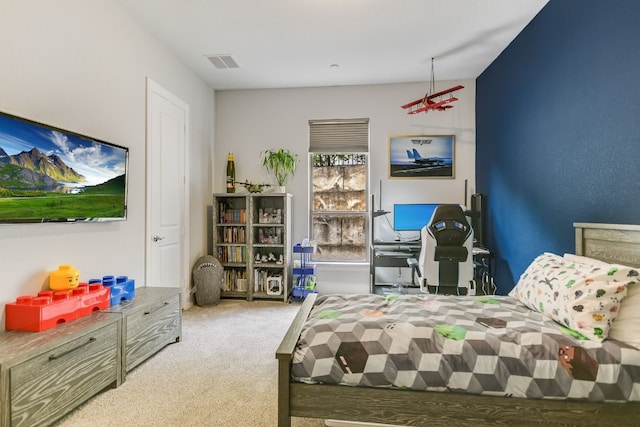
581, 297
584, 260
626, 326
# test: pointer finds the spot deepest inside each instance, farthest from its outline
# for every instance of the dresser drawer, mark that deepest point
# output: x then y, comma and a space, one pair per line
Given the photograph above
50, 384
151, 328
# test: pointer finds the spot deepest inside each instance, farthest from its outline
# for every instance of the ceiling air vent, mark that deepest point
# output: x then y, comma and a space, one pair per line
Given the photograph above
222, 61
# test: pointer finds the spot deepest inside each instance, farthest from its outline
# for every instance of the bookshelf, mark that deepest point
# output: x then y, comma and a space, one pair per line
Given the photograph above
251, 239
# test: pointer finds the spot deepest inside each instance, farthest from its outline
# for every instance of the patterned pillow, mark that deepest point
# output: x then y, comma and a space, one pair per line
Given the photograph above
626, 327
583, 298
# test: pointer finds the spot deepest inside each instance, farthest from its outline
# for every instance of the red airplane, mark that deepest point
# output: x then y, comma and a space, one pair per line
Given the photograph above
428, 102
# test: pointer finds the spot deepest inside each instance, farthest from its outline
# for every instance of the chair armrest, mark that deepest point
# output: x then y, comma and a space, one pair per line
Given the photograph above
415, 270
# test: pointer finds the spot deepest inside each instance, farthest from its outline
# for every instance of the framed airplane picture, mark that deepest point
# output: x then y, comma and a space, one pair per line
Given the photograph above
422, 156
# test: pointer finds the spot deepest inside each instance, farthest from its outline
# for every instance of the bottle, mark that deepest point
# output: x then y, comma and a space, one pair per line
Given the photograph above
231, 174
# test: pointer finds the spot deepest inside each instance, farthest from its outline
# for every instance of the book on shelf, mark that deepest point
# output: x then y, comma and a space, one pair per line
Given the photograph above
231, 215
234, 235
231, 277
232, 254
260, 280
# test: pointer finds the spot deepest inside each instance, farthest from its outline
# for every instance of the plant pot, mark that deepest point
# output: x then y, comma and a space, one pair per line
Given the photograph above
281, 163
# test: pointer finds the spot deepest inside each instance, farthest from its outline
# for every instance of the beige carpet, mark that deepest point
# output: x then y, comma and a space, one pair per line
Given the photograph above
223, 373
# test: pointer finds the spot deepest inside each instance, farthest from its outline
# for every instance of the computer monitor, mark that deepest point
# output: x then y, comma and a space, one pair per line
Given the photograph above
412, 216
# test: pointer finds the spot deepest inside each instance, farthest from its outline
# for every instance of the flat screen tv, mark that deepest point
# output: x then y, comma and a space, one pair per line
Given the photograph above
412, 216
49, 174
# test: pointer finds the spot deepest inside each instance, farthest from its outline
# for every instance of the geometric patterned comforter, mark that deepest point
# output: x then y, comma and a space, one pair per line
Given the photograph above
490, 345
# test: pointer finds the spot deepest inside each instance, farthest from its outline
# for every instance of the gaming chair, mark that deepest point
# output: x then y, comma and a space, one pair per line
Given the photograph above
446, 260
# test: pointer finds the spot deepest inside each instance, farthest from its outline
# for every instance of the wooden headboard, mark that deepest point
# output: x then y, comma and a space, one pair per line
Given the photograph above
613, 243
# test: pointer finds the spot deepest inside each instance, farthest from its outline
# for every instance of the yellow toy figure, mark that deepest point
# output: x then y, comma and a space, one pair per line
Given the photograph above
64, 278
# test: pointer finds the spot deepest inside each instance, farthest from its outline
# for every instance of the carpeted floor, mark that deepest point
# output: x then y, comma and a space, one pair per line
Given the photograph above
223, 373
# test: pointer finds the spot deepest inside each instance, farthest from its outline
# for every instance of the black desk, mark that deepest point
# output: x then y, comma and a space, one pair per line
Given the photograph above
391, 254
395, 254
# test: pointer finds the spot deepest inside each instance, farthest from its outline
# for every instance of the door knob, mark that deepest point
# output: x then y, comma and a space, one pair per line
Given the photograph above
157, 238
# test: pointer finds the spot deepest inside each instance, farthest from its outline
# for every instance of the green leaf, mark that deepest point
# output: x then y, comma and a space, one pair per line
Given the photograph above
577, 335
452, 332
487, 300
329, 314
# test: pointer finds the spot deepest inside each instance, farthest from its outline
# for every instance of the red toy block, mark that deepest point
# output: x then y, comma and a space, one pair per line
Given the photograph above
48, 309
91, 298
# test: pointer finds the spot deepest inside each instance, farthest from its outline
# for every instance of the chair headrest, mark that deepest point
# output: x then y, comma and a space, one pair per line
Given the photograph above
449, 225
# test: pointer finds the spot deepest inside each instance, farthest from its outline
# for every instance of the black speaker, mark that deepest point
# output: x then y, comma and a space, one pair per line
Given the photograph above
478, 202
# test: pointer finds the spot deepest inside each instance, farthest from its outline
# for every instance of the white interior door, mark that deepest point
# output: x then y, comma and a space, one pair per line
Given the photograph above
167, 195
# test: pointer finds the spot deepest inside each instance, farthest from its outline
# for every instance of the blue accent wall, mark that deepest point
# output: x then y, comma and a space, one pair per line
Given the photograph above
558, 131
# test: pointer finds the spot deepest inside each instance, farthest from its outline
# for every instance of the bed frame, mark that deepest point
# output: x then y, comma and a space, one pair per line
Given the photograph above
608, 242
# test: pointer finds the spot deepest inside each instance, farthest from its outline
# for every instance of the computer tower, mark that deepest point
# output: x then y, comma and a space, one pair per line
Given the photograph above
478, 220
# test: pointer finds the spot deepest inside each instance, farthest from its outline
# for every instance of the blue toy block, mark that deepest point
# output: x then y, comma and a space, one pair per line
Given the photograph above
122, 288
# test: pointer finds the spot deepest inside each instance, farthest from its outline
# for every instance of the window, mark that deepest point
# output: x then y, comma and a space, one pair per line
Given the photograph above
338, 154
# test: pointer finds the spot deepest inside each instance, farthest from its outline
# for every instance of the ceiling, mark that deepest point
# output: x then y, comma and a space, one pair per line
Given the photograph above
295, 43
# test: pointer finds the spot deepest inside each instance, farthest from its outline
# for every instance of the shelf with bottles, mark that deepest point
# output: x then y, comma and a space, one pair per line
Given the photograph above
304, 280
303, 266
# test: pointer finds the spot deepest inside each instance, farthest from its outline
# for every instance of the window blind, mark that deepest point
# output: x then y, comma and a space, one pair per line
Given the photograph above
339, 136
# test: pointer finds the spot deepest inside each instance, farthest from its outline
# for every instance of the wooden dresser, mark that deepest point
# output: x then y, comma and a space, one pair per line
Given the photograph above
44, 375
150, 321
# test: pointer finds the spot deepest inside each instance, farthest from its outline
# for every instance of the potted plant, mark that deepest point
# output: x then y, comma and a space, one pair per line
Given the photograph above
281, 163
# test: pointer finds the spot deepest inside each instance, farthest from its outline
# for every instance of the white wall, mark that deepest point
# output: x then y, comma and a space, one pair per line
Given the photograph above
250, 121
82, 66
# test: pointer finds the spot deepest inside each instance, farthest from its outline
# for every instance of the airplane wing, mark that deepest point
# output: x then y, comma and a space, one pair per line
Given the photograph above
434, 106
428, 102
444, 92
412, 103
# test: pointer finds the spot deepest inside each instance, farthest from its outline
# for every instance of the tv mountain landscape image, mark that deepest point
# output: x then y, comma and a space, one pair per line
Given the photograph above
33, 170
39, 187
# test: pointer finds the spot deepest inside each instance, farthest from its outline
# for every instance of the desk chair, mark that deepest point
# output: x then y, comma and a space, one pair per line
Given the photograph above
445, 263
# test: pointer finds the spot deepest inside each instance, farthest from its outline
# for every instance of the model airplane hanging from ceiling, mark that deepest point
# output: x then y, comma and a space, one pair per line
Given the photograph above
433, 101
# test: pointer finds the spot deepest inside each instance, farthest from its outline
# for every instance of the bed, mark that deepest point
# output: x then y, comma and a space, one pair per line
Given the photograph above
608, 243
